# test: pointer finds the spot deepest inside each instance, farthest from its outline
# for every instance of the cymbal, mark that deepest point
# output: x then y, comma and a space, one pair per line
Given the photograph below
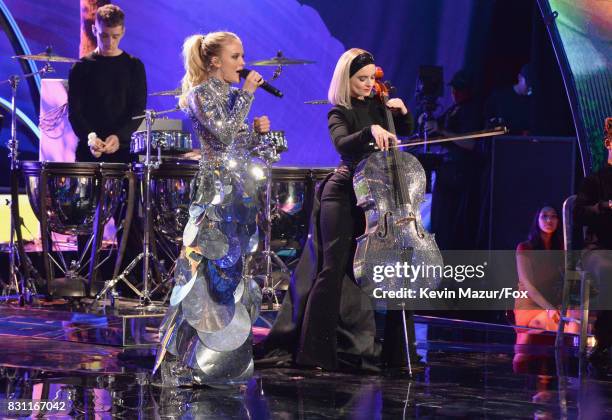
175, 92
280, 61
317, 102
46, 57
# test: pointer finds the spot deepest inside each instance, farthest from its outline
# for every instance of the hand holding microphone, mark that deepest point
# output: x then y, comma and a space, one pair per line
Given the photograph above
254, 80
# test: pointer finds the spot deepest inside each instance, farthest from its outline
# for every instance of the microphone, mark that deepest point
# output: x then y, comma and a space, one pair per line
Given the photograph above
265, 86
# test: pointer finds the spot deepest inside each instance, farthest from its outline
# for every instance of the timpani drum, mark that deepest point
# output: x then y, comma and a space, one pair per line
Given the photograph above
170, 196
69, 193
292, 196
74, 199
293, 192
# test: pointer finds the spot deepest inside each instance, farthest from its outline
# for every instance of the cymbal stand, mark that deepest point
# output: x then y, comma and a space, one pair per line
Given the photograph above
269, 156
21, 283
278, 70
146, 255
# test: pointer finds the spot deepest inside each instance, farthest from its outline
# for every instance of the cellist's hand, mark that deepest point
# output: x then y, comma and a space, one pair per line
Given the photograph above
396, 104
383, 138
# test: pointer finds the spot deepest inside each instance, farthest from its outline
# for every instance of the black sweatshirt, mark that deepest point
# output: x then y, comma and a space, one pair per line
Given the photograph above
104, 93
592, 208
350, 128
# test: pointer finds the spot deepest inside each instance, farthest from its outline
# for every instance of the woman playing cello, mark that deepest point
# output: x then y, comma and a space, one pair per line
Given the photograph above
324, 322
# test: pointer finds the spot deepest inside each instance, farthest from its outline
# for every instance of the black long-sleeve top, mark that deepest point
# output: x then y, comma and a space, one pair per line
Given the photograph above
350, 128
104, 93
592, 209
460, 118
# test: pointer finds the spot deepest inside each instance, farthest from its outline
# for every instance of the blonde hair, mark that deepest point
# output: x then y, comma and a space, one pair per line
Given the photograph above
198, 51
339, 92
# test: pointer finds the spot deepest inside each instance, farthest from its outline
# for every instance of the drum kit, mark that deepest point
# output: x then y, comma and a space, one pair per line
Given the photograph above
80, 198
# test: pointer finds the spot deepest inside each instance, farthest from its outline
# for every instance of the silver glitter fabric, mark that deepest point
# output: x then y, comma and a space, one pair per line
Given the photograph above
207, 331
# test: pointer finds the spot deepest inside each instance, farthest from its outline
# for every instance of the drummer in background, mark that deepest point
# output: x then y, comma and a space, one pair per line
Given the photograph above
105, 90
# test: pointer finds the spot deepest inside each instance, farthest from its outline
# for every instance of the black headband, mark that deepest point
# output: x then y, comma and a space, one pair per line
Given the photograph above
359, 62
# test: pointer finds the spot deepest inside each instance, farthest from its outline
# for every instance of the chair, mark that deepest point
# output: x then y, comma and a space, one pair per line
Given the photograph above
572, 244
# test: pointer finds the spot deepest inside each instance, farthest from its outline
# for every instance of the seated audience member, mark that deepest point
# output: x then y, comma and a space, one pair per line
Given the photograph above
540, 273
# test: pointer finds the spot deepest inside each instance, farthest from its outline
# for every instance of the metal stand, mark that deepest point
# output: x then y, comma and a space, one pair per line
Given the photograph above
22, 284
13, 156
425, 118
406, 341
270, 155
146, 255
269, 288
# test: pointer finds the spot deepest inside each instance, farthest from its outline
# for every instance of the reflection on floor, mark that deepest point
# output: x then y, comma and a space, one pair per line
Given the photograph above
473, 370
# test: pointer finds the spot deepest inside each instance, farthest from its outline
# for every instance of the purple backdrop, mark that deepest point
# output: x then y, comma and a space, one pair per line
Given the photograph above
416, 32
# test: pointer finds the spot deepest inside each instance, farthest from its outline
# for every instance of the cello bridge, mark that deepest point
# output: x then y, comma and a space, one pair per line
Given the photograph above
405, 220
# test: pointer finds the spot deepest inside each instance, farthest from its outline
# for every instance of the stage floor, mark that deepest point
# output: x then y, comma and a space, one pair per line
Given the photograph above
472, 370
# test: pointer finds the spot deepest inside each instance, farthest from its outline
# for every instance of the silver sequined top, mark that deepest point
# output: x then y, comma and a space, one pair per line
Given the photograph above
218, 112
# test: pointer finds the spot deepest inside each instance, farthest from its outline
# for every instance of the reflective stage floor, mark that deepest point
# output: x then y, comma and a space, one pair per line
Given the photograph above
472, 370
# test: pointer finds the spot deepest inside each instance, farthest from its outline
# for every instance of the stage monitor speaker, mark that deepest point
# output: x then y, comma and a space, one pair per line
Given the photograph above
527, 172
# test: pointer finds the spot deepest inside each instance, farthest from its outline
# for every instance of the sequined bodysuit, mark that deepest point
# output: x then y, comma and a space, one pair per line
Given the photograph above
206, 334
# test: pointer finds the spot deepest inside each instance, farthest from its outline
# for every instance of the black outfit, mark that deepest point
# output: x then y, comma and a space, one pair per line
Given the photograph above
509, 109
323, 313
457, 191
104, 93
593, 211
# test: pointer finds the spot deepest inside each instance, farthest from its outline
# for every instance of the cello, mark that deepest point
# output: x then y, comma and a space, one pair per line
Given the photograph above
390, 186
